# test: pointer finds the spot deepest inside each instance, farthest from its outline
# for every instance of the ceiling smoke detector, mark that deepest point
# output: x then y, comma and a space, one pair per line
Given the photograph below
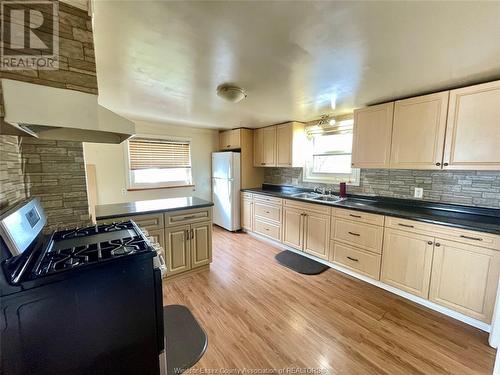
233, 94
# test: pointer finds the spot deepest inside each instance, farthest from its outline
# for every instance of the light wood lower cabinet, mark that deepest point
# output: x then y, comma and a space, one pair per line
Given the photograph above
188, 247
307, 231
293, 228
177, 249
271, 230
158, 235
201, 244
317, 234
365, 236
465, 278
247, 214
358, 260
407, 261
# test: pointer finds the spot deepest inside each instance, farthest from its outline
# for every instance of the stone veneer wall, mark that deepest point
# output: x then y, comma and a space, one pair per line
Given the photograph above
12, 188
472, 188
53, 170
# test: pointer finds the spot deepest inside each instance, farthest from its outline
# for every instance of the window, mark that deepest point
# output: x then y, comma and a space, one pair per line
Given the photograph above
154, 163
329, 154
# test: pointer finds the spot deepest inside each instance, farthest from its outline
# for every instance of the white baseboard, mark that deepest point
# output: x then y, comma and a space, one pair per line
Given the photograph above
421, 301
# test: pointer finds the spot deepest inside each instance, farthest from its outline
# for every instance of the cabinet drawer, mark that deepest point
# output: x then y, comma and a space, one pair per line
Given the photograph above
267, 199
187, 216
366, 236
360, 261
465, 236
308, 206
150, 221
247, 196
268, 212
359, 216
267, 229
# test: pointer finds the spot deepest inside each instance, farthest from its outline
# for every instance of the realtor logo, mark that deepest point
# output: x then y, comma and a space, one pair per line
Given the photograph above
30, 35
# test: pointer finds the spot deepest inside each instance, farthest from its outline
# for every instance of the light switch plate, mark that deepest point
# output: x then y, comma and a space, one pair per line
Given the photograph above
419, 192
295, 181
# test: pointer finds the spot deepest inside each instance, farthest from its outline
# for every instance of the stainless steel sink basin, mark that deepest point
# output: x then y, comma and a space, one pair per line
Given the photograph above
327, 198
306, 195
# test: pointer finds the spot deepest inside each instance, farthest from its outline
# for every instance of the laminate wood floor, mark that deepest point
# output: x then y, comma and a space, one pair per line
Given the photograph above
260, 315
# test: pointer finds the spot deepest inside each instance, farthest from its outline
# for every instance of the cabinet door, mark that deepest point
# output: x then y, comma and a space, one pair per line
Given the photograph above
246, 214
284, 144
269, 146
158, 235
234, 139
317, 234
407, 261
473, 128
258, 147
465, 278
418, 132
201, 244
293, 228
371, 146
224, 140
177, 249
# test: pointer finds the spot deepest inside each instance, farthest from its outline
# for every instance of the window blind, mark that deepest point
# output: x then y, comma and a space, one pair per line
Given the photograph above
154, 153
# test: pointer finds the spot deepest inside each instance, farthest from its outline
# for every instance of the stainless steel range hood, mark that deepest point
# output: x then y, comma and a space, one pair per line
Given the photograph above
52, 113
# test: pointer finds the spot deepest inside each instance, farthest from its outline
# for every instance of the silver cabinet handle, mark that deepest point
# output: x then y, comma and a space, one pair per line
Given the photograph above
353, 259
471, 238
354, 234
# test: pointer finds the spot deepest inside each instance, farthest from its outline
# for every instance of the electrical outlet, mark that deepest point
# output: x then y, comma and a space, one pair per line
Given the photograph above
295, 181
419, 192
124, 191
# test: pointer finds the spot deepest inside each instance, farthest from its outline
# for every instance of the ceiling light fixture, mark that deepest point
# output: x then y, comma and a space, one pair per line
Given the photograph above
233, 94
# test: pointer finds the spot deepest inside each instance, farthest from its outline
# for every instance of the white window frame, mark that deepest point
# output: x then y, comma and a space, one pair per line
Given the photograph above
352, 178
131, 185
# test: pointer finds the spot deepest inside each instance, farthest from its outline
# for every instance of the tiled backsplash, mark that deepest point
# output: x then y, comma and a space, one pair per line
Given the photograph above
472, 188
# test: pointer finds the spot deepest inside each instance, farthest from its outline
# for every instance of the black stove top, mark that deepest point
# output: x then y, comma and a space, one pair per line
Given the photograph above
71, 249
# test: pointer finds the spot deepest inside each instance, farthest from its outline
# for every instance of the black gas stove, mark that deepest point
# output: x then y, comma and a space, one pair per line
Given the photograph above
84, 246
80, 301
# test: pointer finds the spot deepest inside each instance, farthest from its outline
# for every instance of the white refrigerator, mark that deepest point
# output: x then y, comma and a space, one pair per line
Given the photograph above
226, 189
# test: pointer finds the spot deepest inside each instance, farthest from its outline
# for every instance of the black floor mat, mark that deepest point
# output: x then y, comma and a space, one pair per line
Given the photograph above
185, 340
299, 263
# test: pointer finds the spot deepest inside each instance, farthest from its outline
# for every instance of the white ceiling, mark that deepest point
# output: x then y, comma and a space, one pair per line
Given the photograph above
162, 60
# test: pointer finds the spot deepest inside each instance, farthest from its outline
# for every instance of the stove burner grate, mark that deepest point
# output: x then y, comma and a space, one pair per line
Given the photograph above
89, 231
64, 259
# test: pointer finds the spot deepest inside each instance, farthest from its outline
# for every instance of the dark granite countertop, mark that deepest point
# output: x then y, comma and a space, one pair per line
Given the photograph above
465, 217
109, 211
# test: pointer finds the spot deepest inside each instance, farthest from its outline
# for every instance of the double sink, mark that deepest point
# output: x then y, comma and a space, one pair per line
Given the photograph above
317, 197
